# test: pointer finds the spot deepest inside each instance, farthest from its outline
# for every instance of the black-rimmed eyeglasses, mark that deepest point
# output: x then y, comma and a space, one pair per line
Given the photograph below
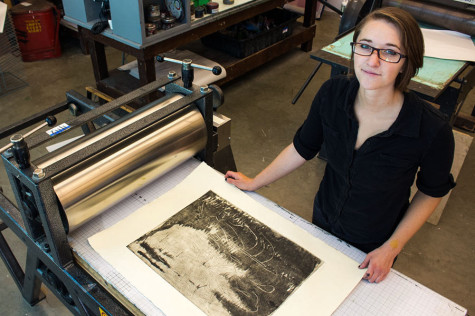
385, 54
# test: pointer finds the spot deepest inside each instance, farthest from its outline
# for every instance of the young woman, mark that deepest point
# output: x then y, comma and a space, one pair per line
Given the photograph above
377, 138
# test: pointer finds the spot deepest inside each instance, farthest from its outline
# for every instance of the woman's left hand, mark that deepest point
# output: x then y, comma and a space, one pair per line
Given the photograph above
379, 263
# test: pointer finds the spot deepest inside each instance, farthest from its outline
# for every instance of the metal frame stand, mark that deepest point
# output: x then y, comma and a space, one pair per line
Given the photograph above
39, 220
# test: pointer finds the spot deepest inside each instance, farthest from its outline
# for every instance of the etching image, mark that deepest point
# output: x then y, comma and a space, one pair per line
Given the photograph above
223, 260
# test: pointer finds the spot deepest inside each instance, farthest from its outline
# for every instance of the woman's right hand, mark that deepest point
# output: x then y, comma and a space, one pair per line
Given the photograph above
240, 180
287, 161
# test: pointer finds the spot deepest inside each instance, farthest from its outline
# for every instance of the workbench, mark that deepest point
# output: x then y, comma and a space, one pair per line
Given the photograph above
434, 82
397, 295
117, 83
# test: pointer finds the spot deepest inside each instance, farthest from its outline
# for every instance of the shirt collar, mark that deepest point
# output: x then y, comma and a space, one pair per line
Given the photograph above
409, 119
350, 98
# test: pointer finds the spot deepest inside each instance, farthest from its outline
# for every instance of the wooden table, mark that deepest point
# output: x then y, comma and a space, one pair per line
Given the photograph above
303, 35
441, 81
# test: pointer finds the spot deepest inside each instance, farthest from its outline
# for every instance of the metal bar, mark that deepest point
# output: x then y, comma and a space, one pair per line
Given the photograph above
100, 111
77, 282
31, 289
176, 61
38, 117
331, 7
84, 309
315, 70
85, 105
205, 105
95, 292
10, 261
25, 135
54, 228
16, 177
106, 97
40, 212
14, 214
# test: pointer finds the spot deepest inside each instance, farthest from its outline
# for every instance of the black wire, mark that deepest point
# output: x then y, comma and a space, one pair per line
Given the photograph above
100, 26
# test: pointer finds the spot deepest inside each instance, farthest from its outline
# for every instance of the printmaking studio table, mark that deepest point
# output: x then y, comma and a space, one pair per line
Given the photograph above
397, 295
116, 83
434, 81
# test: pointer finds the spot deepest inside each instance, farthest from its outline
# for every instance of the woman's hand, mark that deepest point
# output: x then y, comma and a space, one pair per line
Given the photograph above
379, 262
240, 181
287, 161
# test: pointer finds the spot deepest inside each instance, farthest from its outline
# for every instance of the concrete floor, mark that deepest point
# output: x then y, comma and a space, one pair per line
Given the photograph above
263, 122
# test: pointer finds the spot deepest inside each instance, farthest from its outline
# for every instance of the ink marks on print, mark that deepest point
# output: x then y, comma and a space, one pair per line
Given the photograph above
223, 260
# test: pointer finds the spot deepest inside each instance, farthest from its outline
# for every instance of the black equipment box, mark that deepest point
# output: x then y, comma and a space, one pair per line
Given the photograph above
250, 36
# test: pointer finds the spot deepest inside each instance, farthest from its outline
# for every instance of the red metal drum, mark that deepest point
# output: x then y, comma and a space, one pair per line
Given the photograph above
37, 29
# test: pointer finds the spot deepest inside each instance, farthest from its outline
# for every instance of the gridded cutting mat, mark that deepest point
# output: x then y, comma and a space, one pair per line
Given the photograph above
397, 295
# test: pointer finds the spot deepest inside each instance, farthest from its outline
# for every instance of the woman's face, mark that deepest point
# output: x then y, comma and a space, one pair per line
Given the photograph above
372, 72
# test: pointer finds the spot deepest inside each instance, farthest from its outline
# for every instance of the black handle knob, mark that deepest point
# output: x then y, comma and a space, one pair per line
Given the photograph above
20, 151
217, 70
51, 120
160, 58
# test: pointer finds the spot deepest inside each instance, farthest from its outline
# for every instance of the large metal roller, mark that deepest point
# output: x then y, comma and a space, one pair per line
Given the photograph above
446, 16
96, 184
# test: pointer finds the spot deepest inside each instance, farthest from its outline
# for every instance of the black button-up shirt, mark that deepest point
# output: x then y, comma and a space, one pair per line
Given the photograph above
365, 193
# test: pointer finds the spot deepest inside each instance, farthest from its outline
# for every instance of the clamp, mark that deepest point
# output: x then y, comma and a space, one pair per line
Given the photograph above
187, 69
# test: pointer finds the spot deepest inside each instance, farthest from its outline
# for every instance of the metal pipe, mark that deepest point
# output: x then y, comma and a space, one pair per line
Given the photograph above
50, 121
96, 184
438, 15
92, 138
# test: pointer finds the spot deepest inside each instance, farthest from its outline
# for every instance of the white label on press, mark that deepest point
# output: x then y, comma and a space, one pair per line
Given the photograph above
58, 129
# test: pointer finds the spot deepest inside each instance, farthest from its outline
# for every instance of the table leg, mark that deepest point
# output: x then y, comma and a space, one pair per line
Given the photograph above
309, 20
146, 67
99, 61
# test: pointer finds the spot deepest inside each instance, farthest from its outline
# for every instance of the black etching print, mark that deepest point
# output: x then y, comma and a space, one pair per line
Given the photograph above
223, 260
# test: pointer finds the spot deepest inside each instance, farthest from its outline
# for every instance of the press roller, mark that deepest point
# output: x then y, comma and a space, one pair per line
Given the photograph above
128, 142
450, 14
456, 15
95, 184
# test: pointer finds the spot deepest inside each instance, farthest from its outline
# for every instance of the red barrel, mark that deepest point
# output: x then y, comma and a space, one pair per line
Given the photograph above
37, 29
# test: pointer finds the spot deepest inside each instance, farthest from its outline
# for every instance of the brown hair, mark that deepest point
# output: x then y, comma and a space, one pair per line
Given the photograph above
411, 39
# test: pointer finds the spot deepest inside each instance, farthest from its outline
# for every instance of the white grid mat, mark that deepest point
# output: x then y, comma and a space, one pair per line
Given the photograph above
397, 295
